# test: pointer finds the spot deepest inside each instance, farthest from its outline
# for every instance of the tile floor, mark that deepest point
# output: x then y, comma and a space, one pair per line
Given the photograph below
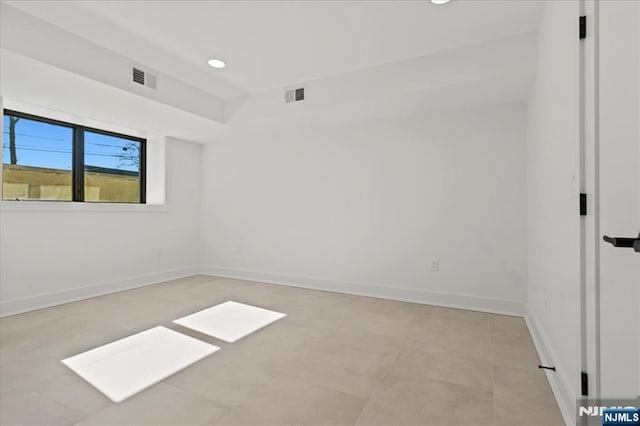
334, 360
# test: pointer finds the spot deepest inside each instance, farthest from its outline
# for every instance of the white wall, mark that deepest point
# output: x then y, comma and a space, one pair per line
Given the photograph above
55, 254
365, 208
553, 275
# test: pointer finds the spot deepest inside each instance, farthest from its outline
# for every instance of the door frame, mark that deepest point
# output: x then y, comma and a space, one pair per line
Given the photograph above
589, 184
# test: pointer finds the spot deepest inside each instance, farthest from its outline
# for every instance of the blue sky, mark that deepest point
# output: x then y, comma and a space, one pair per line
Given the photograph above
46, 145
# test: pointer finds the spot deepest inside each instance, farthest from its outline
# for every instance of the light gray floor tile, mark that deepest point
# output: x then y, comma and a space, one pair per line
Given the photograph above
288, 401
160, 404
34, 409
427, 402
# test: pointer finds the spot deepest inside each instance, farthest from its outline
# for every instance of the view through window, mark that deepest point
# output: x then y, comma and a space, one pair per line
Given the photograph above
49, 160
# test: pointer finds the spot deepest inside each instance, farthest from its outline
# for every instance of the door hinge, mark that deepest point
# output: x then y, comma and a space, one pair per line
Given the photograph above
583, 27
583, 204
584, 383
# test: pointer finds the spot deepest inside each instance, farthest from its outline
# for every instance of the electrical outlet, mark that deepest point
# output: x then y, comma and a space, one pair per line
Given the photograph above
435, 265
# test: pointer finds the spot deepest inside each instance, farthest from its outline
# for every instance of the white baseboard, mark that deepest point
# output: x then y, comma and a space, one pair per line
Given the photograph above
17, 306
476, 303
403, 294
560, 383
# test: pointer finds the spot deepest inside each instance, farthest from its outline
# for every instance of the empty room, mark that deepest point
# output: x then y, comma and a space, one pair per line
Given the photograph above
320, 212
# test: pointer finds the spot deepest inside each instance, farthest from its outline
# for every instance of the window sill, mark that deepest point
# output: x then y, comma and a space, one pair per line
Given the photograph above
70, 206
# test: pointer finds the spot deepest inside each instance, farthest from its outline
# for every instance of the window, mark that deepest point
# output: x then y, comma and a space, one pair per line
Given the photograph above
36, 160
44, 159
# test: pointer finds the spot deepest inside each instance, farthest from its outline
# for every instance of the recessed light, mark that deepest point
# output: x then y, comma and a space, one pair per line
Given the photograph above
440, 1
217, 63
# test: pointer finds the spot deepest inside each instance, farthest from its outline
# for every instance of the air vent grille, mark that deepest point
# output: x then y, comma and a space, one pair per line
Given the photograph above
138, 76
143, 77
294, 95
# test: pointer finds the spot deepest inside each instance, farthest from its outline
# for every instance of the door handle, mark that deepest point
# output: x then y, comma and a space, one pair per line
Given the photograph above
633, 243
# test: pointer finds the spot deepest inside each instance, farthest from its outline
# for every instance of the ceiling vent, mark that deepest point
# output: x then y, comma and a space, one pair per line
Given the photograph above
294, 95
144, 78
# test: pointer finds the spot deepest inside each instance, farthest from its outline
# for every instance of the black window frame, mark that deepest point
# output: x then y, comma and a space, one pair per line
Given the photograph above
77, 156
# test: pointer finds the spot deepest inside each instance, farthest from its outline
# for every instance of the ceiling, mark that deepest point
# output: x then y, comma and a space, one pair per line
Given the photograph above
271, 44
358, 60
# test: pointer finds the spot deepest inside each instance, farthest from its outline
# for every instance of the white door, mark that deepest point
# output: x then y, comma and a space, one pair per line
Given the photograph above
618, 151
